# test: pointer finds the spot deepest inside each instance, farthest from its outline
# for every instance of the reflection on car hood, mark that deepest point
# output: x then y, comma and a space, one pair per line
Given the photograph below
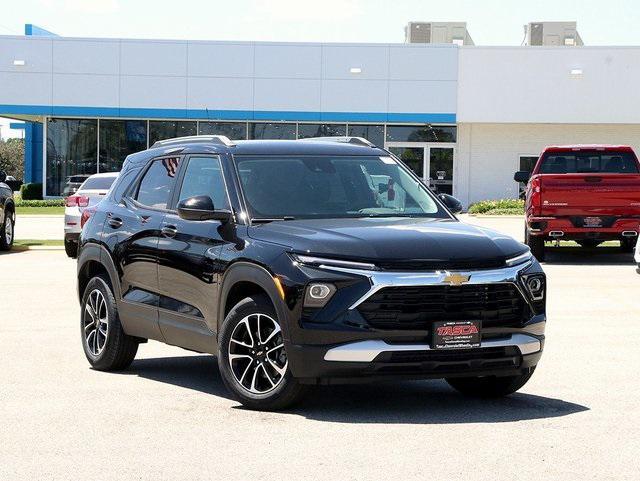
390, 239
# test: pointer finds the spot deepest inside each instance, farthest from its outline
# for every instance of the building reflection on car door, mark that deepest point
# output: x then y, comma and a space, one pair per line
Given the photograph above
188, 251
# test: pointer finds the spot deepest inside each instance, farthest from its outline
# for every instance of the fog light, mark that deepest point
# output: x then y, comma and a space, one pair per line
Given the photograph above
535, 285
319, 291
318, 294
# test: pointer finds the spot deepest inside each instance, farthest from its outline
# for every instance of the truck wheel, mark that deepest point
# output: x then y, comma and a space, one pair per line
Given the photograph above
628, 245
536, 244
589, 243
489, 386
252, 357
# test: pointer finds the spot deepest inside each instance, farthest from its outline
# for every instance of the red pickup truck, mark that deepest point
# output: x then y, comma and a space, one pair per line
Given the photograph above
586, 193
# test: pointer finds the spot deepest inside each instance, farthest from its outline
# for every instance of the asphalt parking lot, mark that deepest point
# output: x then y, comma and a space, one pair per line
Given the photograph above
169, 416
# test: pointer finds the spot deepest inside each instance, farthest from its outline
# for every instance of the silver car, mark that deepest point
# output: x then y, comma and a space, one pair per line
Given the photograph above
88, 194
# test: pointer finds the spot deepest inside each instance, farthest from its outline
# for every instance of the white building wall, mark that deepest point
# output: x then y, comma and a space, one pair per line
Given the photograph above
488, 153
535, 85
197, 77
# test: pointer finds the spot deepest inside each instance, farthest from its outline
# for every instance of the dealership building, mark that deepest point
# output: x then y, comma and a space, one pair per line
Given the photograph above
464, 117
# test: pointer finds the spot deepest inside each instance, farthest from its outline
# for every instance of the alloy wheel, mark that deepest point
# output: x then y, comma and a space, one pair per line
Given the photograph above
257, 357
95, 322
8, 231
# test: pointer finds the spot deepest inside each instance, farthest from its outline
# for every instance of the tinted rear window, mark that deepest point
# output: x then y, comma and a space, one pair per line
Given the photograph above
98, 183
589, 162
77, 179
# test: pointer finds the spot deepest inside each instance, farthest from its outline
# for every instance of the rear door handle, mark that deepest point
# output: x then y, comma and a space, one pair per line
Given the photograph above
114, 222
169, 231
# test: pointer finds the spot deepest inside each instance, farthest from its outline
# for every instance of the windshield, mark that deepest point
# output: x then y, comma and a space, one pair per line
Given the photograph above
307, 187
589, 162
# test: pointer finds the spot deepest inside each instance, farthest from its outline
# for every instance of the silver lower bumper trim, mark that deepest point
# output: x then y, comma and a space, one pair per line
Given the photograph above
367, 351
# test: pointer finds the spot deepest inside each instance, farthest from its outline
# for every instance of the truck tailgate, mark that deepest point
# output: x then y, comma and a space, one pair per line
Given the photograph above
590, 194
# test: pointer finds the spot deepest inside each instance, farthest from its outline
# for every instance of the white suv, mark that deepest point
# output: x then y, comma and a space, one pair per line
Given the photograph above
88, 194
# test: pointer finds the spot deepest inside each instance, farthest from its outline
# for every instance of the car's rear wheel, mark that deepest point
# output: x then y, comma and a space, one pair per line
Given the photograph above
252, 357
6, 232
105, 344
589, 243
71, 248
628, 244
535, 243
490, 386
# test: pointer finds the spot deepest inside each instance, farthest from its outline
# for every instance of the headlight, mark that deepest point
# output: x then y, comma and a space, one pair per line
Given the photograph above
520, 259
535, 284
328, 263
318, 294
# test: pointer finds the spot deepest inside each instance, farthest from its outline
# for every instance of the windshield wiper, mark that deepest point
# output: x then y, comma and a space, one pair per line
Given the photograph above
259, 220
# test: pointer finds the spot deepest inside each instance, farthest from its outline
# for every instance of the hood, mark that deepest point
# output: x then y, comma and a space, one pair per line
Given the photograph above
386, 240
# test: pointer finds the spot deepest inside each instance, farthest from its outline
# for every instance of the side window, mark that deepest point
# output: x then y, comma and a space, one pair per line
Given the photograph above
203, 176
122, 183
155, 186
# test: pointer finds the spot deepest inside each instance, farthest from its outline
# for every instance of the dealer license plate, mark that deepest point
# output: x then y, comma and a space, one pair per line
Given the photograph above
456, 334
592, 222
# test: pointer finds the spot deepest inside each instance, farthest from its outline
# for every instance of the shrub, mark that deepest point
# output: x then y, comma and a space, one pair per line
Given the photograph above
31, 191
40, 203
500, 206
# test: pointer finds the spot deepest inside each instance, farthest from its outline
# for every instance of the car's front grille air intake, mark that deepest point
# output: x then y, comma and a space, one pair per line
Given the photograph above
416, 308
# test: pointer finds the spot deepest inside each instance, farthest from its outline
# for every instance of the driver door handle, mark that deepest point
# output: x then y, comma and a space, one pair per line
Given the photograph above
169, 231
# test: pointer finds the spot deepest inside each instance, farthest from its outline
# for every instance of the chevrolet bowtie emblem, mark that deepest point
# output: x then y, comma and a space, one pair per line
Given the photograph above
455, 279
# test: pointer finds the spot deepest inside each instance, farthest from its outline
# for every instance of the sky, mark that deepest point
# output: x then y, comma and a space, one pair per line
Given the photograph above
490, 22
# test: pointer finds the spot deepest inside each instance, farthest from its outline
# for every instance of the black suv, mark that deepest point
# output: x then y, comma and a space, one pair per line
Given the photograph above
7, 214
304, 262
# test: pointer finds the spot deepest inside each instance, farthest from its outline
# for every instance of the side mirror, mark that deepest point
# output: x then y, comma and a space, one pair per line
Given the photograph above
200, 207
522, 176
3, 176
453, 204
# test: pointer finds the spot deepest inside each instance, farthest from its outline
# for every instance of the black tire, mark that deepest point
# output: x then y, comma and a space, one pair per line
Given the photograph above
7, 232
71, 248
589, 243
628, 244
287, 390
119, 349
536, 244
489, 386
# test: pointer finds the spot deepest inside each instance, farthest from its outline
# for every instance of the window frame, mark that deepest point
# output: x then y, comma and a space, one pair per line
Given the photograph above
133, 190
174, 199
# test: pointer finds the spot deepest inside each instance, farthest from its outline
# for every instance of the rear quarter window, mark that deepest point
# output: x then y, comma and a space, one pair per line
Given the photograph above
589, 163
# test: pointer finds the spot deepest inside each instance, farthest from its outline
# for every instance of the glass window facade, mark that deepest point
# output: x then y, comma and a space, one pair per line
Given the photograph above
373, 133
119, 138
321, 130
72, 144
168, 129
421, 133
71, 149
272, 131
233, 130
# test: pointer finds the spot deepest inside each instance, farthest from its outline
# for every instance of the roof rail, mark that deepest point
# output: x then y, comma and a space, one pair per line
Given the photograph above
209, 139
345, 140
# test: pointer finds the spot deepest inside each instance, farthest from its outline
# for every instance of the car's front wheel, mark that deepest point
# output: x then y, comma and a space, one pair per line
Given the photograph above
6, 232
490, 386
105, 344
252, 357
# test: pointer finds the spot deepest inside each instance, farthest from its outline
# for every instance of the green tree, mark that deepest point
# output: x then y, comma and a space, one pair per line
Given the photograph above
12, 157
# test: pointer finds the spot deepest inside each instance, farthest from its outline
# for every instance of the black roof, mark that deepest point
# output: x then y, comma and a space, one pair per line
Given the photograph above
196, 144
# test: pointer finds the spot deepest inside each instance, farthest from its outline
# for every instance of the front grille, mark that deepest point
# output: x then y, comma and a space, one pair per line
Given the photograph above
416, 308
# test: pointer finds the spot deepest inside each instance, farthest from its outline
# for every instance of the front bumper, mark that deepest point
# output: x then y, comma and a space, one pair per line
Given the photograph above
344, 351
